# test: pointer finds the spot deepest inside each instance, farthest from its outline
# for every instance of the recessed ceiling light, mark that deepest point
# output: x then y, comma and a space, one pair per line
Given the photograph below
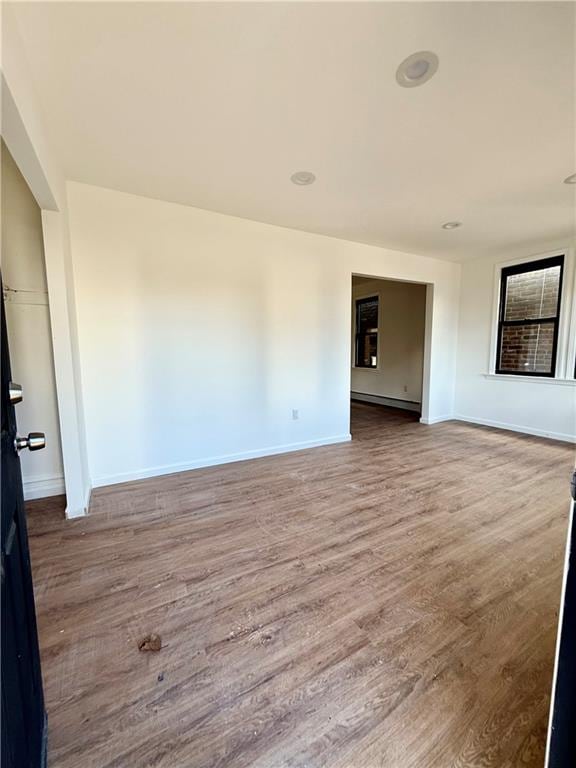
417, 69
570, 179
452, 225
302, 178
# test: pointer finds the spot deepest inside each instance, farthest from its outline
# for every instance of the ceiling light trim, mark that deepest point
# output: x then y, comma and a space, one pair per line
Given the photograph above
417, 69
452, 225
303, 178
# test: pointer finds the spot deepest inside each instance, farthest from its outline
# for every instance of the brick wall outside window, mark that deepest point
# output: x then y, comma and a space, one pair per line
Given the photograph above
528, 348
532, 294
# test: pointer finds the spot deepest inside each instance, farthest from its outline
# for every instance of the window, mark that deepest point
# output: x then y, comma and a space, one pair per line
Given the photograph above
367, 333
528, 319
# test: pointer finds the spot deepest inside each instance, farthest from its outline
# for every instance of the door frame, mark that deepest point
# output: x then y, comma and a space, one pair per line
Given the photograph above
427, 357
23, 135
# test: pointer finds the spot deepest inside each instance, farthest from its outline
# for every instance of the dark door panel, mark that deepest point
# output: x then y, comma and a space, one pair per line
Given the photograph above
23, 715
563, 735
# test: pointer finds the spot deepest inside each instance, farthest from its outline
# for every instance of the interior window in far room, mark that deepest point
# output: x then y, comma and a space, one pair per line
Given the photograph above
367, 333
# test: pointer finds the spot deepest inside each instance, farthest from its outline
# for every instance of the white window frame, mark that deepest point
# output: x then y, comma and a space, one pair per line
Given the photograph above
566, 350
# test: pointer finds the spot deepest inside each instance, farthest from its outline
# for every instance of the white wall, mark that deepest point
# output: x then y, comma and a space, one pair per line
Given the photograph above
401, 323
544, 407
199, 333
29, 336
24, 132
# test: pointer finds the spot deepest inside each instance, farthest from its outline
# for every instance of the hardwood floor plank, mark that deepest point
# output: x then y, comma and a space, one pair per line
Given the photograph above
388, 603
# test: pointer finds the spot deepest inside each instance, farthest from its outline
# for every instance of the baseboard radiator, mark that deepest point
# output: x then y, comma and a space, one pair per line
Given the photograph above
393, 402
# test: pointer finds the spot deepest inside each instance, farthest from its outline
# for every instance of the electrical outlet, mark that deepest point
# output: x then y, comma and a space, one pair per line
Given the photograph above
295, 414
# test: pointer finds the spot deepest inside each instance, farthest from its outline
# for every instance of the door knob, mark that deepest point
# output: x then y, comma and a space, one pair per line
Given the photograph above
34, 442
15, 393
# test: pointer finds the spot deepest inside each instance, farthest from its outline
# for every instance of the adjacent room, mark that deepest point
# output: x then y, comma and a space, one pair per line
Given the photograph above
388, 337
288, 384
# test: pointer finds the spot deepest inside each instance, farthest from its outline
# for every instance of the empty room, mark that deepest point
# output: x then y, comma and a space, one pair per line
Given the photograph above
288, 384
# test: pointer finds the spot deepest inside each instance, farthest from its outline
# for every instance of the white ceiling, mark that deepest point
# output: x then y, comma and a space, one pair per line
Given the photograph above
216, 105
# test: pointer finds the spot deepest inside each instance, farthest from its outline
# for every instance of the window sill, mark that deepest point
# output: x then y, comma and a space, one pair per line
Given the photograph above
532, 379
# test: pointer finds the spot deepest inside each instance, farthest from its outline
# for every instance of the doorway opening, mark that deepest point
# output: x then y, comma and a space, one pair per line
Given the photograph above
387, 347
29, 331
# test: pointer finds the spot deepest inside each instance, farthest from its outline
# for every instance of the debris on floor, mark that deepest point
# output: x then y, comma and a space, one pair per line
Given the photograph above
150, 643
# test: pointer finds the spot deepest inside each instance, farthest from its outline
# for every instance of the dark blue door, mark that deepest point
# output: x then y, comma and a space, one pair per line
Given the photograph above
23, 715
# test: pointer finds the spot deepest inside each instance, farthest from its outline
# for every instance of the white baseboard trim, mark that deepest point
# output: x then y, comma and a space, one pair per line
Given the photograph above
564, 436
435, 419
392, 402
40, 487
170, 469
